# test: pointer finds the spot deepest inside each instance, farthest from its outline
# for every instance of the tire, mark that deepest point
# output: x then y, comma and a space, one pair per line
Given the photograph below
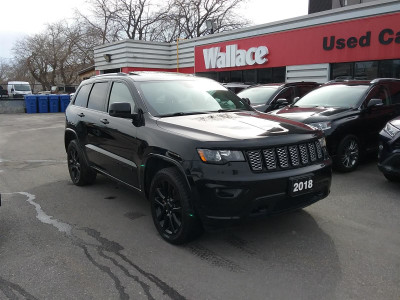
348, 154
79, 171
170, 207
392, 177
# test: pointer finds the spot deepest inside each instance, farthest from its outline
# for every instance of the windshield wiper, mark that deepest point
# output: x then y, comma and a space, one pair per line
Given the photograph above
228, 110
181, 113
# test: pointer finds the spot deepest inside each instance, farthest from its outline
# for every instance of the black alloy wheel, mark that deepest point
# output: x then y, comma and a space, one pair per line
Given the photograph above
170, 207
79, 171
348, 154
74, 165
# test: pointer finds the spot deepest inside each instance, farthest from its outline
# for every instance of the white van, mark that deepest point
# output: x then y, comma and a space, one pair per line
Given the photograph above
17, 89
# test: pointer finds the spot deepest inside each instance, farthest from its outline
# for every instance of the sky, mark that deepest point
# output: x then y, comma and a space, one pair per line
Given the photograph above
27, 17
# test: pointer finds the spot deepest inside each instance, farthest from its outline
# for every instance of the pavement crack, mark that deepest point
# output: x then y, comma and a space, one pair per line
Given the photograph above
120, 288
103, 247
110, 246
10, 289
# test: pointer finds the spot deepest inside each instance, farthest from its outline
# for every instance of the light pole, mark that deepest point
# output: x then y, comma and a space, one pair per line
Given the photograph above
211, 25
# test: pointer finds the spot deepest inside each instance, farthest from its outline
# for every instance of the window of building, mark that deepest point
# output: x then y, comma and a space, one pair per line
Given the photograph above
342, 71
389, 69
365, 70
224, 77
211, 75
250, 76
264, 75
279, 74
97, 98
81, 98
236, 76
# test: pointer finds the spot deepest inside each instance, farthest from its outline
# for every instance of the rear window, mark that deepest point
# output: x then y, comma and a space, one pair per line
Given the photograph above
81, 98
97, 98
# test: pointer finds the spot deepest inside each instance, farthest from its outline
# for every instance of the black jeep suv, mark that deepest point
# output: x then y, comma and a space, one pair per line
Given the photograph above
351, 113
200, 154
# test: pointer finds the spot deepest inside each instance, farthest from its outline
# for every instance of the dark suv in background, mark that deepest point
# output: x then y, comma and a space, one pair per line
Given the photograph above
389, 150
351, 113
199, 153
267, 97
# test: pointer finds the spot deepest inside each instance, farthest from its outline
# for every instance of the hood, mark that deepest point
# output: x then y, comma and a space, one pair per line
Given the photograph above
232, 126
310, 114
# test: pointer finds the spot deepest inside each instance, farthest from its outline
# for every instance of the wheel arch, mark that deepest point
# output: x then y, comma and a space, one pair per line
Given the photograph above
153, 164
69, 135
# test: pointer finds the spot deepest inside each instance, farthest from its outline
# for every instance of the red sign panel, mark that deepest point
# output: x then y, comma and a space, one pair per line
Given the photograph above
373, 38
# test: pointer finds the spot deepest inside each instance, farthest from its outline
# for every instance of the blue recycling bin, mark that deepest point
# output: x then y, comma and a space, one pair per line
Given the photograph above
54, 103
31, 104
64, 102
43, 103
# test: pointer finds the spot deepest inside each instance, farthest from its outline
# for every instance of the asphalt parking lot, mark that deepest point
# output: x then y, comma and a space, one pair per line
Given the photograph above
59, 241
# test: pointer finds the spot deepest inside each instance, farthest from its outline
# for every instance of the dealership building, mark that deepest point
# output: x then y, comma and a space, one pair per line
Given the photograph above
360, 41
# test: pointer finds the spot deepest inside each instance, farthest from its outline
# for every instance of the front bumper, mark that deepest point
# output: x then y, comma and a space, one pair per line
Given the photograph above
223, 195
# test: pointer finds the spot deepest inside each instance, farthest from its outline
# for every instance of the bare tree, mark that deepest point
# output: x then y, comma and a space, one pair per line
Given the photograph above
137, 18
187, 18
101, 22
51, 57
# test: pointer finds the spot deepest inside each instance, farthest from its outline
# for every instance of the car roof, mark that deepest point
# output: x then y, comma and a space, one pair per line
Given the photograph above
282, 84
148, 76
362, 82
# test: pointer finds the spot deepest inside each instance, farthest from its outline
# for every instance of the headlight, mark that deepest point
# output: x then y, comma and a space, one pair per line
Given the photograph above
322, 142
391, 130
219, 156
321, 125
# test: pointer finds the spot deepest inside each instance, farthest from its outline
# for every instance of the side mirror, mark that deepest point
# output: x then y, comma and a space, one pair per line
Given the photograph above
375, 102
120, 110
281, 102
123, 110
12, 90
247, 100
296, 99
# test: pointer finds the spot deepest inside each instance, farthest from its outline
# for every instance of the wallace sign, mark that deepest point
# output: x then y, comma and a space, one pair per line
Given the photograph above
234, 57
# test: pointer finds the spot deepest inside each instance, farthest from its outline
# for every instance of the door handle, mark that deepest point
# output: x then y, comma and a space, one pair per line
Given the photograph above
104, 121
81, 115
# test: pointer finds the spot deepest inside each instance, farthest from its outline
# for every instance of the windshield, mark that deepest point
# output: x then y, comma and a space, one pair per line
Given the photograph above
22, 87
333, 96
259, 95
180, 97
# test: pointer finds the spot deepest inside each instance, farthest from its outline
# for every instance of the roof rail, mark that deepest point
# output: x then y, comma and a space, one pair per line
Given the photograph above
110, 74
376, 80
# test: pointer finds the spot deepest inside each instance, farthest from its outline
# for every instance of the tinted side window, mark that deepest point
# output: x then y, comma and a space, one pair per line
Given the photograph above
304, 89
287, 94
394, 90
120, 93
378, 92
81, 98
97, 98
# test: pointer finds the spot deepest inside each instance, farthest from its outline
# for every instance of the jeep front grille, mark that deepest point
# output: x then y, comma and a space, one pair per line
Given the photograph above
285, 157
